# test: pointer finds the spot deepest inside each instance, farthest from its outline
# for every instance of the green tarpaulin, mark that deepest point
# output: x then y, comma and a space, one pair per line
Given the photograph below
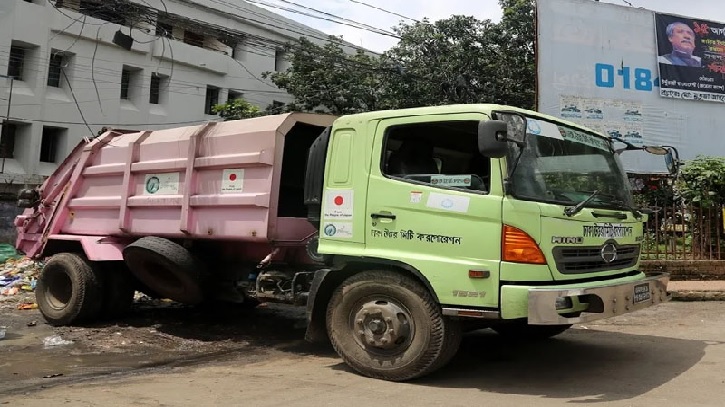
7, 252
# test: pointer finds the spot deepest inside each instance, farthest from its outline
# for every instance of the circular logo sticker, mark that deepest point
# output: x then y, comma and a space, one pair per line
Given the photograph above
152, 185
330, 230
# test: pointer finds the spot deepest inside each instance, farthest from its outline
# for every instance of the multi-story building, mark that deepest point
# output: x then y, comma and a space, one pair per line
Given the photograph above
76, 66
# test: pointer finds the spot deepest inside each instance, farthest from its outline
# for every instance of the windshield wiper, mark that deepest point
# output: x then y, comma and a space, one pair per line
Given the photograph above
573, 210
637, 212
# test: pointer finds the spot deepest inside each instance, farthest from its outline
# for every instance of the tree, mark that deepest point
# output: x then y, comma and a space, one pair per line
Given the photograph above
702, 181
325, 78
236, 109
455, 60
449, 61
517, 66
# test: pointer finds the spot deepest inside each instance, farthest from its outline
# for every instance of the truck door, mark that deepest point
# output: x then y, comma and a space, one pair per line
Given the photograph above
434, 203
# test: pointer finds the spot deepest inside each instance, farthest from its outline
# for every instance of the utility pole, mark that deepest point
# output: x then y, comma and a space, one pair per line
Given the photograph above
7, 118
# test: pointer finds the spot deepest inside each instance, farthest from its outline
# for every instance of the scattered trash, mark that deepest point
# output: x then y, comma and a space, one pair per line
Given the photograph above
32, 323
55, 340
50, 376
17, 273
2, 332
28, 305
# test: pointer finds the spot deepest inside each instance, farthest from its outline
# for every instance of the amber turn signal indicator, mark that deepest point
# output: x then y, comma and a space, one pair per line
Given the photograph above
519, 247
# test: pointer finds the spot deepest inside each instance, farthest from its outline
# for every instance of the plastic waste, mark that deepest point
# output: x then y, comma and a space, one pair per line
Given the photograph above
2, 332
55, 340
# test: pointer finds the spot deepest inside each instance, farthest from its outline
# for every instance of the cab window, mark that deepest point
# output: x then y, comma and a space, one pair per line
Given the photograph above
441, 154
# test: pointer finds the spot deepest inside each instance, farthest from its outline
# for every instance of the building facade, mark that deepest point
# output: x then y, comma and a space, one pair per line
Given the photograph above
76, 66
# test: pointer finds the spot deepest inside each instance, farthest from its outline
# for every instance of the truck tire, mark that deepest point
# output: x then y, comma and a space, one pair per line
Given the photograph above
387, 326
166, 268
68, 290
524, 332
118, 290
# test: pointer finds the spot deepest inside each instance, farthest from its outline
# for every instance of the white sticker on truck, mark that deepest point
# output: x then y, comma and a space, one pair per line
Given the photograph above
447, 202
339, 230
232, 180
161, 184
338, 204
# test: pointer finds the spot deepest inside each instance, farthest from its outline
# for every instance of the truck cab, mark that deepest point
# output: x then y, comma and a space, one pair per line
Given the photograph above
521, 222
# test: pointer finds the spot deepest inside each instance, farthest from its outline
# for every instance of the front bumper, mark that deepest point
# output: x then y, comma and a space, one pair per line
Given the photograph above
604, 301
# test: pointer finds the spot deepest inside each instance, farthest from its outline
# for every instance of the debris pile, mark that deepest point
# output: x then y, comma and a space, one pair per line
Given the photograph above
17, 274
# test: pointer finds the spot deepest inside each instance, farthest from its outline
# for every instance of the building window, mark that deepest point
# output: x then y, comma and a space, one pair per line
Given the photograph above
279, 60
51, 143
7, 140
130, 81
125, 83
234, 95
159, 84
16, 65
55, 69
194, 39
212, 98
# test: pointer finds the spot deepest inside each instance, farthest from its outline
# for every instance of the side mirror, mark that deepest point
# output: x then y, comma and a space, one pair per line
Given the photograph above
492, 138
657, 150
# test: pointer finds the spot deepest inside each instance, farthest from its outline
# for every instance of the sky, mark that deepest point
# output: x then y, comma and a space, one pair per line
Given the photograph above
441, 9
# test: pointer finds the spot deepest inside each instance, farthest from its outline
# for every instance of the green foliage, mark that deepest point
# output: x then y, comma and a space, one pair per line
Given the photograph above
236, 109
326, 78
702, 181
455, 60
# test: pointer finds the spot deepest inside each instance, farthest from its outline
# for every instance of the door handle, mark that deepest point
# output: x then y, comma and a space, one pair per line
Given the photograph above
382, 215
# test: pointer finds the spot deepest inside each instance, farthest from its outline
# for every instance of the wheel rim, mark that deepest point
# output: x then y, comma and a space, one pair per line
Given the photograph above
58, 289
382, 326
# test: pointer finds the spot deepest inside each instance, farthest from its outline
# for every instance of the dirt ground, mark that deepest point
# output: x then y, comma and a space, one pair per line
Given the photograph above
673, 354
155, 334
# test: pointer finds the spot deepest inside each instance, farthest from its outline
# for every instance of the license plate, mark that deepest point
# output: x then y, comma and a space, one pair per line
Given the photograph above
641, 293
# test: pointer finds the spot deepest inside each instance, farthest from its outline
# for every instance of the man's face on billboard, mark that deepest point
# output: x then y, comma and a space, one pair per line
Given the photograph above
683, 38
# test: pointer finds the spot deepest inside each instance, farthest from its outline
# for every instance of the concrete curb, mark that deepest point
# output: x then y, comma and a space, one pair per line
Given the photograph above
713, 290
698, 295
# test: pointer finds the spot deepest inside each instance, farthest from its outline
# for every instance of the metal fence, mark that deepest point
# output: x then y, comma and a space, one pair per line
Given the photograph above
684, 232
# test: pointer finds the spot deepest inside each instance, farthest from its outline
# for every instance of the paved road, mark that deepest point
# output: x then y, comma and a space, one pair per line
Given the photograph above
673, 355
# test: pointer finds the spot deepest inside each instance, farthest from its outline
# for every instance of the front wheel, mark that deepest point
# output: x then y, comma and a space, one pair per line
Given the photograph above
386, 325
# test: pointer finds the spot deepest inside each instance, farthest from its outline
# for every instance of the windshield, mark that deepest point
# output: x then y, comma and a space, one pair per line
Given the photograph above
563, 165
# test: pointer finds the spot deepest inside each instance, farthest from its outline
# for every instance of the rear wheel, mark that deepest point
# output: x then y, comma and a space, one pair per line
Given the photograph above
387, 326
69, 290
166, 268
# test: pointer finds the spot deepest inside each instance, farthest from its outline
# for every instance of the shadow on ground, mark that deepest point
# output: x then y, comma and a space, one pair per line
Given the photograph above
589, 366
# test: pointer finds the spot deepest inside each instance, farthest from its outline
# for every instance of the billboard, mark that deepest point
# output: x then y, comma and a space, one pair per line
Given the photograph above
691, 58
611, 68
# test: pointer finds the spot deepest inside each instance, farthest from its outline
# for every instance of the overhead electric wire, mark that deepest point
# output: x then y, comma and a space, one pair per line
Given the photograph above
384, 10
80, 111
342, 20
